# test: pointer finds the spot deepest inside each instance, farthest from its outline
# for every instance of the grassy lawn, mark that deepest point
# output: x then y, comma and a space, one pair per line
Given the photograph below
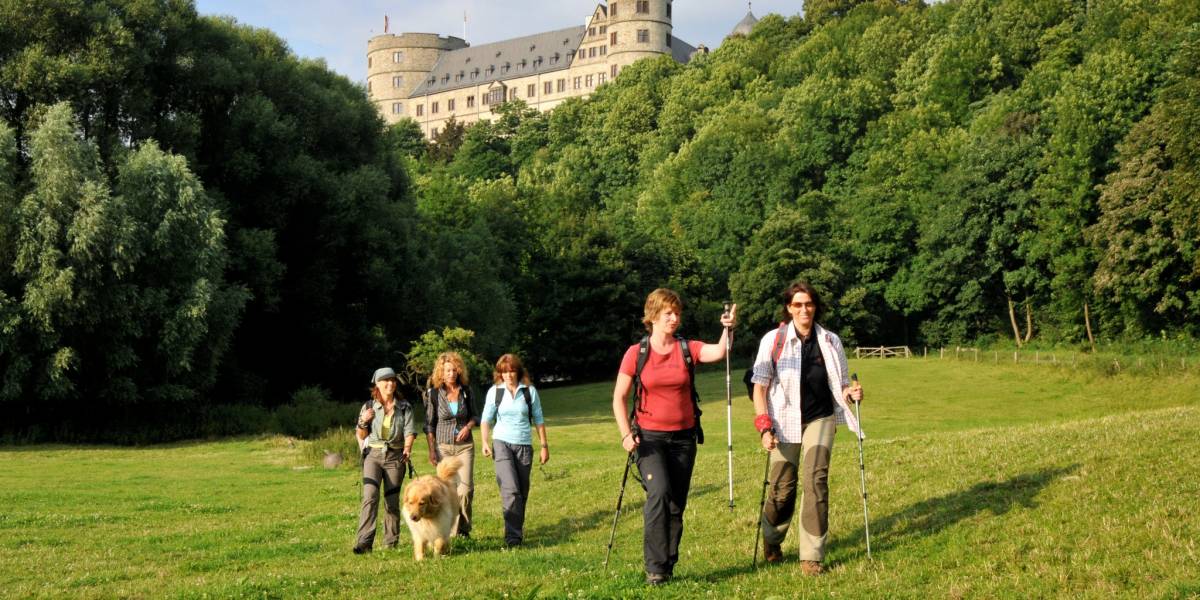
986, 481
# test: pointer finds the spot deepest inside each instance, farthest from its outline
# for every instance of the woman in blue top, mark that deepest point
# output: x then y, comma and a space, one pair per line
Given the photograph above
513, 405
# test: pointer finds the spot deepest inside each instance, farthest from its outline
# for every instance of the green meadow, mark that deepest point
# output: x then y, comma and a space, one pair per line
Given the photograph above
986, 481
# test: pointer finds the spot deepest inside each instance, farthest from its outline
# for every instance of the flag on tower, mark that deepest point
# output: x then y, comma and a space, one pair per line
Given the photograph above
385, 24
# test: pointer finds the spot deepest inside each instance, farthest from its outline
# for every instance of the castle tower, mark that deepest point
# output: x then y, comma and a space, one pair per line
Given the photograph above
397, 64
637, 29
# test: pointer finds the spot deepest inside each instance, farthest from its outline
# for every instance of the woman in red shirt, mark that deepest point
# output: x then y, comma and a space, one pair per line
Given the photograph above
664, 430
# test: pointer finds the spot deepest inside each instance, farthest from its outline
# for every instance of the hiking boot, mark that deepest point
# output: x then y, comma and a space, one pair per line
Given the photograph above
361, 549
772, 553
811, 567
657, 578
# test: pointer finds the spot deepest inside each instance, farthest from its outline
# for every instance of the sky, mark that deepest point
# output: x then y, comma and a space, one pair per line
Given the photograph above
337, 30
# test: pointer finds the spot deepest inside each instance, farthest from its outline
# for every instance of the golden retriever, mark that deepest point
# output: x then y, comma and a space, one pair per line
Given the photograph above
430, 507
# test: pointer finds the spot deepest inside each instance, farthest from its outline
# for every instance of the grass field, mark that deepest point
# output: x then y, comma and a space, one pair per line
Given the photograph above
986, 481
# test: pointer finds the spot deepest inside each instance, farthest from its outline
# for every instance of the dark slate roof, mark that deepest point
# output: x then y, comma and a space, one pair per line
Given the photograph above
681, 51
457, 68
746, 25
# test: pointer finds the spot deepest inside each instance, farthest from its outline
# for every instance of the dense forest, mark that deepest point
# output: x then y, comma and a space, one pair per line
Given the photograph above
193, 220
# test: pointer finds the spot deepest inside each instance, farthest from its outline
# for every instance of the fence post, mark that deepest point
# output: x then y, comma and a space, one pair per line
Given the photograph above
976, 354
1053, 359
941, 353
1037, 357
925, 352
1014, 357
996, 356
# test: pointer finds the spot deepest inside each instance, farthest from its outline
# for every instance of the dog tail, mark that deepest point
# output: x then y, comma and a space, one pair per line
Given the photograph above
447, 470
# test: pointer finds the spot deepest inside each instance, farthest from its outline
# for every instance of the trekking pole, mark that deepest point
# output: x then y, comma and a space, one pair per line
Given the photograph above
862, 469
729, 407
762, 502
612, 536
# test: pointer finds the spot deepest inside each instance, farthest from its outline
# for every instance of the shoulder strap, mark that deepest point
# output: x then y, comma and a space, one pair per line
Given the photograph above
528, 402
777, 349
643, 354
691, 367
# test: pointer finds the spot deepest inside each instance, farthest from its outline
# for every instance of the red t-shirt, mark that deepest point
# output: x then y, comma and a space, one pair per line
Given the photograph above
667, 405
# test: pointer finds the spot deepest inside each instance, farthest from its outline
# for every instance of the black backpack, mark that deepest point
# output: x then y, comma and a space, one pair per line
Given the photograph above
643, 354
524, 392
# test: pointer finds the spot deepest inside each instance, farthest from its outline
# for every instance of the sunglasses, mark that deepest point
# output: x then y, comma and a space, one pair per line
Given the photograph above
800, 305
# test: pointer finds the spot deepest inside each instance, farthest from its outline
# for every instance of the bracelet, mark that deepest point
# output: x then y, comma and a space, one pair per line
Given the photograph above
626, 435
548, 447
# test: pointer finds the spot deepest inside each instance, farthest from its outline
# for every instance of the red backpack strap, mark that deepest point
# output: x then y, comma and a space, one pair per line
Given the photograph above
777, 349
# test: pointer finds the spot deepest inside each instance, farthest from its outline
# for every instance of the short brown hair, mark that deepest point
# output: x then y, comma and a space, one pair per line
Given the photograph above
657, 301
796, 288
510, 362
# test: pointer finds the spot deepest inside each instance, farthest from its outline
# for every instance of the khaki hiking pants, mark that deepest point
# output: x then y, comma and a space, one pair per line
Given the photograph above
785, 463
466, 481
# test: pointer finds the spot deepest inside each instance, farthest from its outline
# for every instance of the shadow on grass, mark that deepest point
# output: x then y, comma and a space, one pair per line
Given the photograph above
928, 517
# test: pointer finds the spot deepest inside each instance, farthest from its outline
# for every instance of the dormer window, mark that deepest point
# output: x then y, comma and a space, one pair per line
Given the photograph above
506, 67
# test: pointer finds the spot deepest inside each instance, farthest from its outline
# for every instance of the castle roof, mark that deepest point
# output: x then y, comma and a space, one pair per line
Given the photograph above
519, 57
746, 25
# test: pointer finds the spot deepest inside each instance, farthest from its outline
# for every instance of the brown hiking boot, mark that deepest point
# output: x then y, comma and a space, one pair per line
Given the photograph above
811, 567
772, 553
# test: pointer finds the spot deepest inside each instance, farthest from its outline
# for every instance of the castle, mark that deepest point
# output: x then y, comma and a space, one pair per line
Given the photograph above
430, 78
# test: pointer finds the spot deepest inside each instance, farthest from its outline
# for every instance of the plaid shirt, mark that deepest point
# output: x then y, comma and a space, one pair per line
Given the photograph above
783, 397
438, 419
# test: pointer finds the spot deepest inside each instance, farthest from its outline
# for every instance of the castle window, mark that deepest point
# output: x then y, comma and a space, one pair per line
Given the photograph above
434, 132
643, 36
589, 80
601, 78
603, 50
397, 56
537, 62
398, 81
554, 59
369, 62
561, 86
523, 63
643, 6
578, 82
668, 40
471, 101
512, 94
531, 90
612, 38
450, 105
547, 88
668, 10
368, 87
612, 8
603, 29
433, 108
505, 68
420, 110
614, 71
495, 96
591, 31
491, 69
592, 52
397, 108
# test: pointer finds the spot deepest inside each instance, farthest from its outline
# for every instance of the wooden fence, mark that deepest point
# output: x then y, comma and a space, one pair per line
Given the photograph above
883, 352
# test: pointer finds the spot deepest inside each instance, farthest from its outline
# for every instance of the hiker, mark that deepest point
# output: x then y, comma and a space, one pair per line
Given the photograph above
801, 392
514, 406
449, 417
665, 424
388, 431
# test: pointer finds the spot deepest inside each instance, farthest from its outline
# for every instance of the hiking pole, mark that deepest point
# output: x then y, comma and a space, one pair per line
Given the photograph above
729, 407
762, 502
613, 535
862, 468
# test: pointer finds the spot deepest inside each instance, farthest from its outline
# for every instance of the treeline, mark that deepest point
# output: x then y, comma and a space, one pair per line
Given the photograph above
191, 218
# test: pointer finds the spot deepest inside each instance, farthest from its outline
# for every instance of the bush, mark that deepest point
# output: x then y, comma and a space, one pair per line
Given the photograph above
310, 413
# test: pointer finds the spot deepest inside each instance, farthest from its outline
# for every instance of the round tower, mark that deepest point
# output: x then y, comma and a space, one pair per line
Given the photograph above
397, 64
642, 29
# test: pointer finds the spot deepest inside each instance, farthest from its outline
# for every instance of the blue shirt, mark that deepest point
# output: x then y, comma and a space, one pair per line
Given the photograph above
512, 416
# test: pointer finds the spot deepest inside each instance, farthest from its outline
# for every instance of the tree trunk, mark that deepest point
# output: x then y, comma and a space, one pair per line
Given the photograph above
1028, 321
1087, 322
1012, 318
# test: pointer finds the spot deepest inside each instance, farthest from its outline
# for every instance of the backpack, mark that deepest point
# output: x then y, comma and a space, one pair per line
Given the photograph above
643, 354
776, 351
528, 400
